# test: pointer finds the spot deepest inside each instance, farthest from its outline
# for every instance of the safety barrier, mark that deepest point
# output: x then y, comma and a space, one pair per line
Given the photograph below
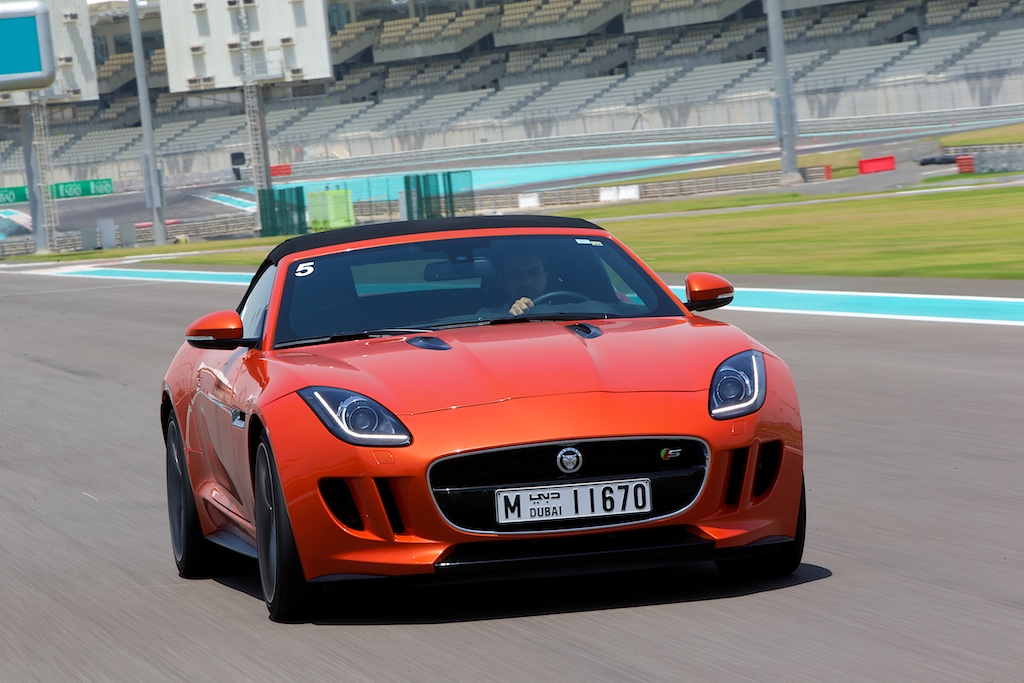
877, 165
965, 164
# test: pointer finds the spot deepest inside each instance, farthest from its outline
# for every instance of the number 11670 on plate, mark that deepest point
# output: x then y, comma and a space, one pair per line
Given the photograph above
572, 501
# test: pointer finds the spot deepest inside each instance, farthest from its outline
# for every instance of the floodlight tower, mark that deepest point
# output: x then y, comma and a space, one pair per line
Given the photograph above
785, 110
255, 121
153, 182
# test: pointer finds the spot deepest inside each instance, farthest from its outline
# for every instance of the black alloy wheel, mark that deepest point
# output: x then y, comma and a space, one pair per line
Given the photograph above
284, 584
193, 554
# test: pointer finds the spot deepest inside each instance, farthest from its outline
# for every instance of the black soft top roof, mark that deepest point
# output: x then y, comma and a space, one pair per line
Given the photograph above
364, 232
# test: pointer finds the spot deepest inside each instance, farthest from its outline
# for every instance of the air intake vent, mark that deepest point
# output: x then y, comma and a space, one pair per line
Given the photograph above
338, 497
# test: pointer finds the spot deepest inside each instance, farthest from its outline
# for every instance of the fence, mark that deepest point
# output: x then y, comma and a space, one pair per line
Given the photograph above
282, 212
438, 195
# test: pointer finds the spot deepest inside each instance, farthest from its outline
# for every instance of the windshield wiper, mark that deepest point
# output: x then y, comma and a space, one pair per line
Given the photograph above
351, 336
548, 317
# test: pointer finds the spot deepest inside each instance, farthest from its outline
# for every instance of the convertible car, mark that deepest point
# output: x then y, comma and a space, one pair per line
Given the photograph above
476, 398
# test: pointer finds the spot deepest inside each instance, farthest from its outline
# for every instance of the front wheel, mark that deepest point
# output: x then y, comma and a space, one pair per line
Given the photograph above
195, 556
779, 563
284, 584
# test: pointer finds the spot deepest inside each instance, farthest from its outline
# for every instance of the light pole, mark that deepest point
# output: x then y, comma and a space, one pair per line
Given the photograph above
153, 181
785, 111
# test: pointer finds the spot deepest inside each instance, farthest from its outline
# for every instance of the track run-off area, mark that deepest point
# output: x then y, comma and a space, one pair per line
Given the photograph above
987, 310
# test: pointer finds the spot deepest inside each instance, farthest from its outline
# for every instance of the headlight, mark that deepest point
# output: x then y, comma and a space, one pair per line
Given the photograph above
354, 418
738, 386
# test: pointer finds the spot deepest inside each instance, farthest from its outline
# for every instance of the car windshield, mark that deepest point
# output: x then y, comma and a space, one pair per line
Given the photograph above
430, 285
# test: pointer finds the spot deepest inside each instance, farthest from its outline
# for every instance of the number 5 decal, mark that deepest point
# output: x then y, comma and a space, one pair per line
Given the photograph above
304, 269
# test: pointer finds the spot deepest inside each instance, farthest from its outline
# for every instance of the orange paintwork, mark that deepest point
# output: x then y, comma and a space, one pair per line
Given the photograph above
496, 386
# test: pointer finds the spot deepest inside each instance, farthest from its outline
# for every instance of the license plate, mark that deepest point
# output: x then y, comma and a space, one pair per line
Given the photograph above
573, 501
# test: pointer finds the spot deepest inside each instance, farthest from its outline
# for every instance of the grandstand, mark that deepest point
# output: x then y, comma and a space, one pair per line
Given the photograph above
436, 73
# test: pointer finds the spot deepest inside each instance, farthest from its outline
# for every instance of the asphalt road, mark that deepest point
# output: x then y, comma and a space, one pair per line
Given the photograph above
913, 568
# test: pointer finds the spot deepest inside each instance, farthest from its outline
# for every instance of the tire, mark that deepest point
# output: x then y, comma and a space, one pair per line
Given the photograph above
779, 563
284, 585
195, 556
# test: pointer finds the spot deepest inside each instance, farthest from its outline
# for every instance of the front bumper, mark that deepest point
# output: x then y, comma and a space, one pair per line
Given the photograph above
389, 522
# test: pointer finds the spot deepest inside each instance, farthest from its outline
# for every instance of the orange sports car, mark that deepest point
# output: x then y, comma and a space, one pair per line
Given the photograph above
476, 397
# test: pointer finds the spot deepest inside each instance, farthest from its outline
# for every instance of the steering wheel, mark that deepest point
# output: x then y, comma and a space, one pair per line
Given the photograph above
561, 293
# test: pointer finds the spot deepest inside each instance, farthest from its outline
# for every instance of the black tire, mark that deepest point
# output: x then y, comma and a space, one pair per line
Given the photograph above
778, 563
195, 556
284, 585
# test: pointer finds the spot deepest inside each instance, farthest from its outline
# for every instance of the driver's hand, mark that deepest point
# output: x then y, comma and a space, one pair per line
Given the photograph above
521, 306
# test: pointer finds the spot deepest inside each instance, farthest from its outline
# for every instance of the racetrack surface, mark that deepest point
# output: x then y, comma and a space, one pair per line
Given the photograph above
912, 571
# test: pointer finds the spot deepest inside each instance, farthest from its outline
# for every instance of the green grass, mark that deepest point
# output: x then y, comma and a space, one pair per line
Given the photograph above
1004, 135
843, 163
976, 234
221, 257
957, 235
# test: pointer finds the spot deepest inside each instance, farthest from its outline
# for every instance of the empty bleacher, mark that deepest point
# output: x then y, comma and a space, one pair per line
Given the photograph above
703, 82
927, 57
849, 67
382, 115
98, 145
439, 111
318, 123
761, 80
527, 80
354, 31
566, 98
1002, 51
635, 89
504, 102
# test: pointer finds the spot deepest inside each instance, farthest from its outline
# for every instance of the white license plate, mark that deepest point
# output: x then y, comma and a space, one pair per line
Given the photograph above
573, 501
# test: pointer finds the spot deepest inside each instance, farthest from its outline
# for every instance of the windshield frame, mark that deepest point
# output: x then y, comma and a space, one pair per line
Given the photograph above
460, 266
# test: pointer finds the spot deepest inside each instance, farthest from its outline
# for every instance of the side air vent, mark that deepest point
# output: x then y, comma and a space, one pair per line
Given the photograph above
338, 497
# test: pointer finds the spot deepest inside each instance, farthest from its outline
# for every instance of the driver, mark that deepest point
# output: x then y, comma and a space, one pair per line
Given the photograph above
524, 277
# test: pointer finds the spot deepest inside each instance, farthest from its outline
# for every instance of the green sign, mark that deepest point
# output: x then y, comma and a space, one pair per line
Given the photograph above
13, 195
82, 188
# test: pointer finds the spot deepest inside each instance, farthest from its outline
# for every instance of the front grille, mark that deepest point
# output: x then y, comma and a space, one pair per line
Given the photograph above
464, 485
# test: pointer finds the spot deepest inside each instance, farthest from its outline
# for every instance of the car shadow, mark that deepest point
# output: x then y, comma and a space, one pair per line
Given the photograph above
389, 602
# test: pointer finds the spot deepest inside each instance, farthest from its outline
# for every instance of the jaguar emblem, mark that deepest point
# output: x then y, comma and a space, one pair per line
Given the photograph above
569, 460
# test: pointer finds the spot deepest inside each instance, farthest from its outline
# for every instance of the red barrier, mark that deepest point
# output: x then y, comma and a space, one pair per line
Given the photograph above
828, 173
149, 224
965, 164
280, 170
878, 164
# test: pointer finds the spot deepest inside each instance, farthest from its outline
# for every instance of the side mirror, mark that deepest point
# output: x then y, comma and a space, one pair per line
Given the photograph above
220, 330
705, 291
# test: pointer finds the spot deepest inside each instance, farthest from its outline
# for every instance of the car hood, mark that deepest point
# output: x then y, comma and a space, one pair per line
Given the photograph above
487, 364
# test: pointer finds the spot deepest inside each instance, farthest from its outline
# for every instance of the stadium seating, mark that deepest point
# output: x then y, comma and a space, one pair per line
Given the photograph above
852, 66
158, 63
761, 80
439, 111
926, 58
503, 103
1002, 51
513, 80
637, 88
565, 98
702, 83
317, 123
